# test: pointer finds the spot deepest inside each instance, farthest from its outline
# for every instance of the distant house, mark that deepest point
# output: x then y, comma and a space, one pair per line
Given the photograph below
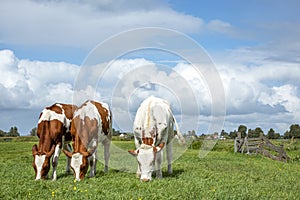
222, 137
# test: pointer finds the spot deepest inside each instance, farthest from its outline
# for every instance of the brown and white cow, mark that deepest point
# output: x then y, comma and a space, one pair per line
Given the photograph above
53, 125
153, 129
91, 123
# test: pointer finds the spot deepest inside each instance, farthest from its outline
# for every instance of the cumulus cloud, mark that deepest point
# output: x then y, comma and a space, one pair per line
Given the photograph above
28, 84
255, 95
260, 91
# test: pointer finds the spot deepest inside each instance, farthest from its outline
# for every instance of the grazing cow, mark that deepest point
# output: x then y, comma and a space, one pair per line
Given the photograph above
54, 123
153, 129
91, 121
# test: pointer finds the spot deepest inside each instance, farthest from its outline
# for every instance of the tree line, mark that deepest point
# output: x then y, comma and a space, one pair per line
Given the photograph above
13, 132
294, 131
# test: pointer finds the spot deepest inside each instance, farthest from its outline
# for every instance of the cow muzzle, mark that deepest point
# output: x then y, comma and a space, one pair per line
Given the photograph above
145, 180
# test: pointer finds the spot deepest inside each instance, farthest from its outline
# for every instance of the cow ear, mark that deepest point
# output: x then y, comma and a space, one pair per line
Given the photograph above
34, 150
86, 154
159, 147
67, 153
133, 152
156, 149
50, 153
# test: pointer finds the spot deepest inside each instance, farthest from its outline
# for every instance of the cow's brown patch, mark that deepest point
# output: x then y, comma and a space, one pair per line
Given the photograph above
161, 145
148, 141
55, 108
104, 113
69, 110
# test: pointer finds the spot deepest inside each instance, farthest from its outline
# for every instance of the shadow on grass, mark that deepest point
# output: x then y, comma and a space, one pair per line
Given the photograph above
176, 173
63, 175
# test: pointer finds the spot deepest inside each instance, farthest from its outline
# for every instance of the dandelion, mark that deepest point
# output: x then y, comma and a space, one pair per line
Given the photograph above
213, 189
53, 193
75, 188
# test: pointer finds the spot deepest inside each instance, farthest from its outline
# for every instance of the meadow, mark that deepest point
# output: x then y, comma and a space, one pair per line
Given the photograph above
222, 174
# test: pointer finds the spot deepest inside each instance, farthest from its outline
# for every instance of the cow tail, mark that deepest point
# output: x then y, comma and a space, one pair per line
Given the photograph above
178, 135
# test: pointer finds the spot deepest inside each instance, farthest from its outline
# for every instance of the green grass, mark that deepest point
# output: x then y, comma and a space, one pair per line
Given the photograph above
220, 175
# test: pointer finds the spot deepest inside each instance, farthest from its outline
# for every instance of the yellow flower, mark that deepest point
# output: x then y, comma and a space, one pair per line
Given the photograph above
75, 188
53, 193
74, 180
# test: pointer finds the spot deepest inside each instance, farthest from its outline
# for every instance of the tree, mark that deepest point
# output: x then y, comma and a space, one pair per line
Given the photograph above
277, 136
115, 132
255, 133
287, 135
242, 129
233, 134
224, 134
13, 132
2, 133
33, 132
294, 131
271, 134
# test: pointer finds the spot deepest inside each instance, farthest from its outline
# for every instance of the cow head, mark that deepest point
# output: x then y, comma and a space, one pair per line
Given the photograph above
79, 163
145, 156
41, 162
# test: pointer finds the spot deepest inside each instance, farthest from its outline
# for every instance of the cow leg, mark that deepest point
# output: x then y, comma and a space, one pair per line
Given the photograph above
55, 161
106, 146
68, 171
169, 150
158, 164
138, 172
137, 145
93, 163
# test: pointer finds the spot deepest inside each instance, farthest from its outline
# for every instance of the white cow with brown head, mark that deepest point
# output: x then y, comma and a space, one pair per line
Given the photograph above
54, 124
91, 123
153, 130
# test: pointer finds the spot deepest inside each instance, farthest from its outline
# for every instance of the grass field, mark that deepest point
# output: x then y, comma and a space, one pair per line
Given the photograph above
220, 175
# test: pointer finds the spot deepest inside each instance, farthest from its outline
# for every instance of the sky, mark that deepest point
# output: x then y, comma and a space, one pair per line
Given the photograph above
220, 64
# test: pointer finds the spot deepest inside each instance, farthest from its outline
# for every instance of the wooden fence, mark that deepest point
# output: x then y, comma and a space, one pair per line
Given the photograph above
261, 145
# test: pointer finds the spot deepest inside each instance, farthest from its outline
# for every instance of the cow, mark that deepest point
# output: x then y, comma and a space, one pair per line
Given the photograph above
153, 129
53, 128
92, 122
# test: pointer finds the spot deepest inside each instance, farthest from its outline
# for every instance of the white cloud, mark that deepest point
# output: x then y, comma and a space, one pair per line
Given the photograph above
260, 91
28, 84
219, 26
285, 95
256, 95
86, 23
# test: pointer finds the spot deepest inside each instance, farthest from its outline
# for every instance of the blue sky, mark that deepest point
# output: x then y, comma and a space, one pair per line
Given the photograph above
254, 46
